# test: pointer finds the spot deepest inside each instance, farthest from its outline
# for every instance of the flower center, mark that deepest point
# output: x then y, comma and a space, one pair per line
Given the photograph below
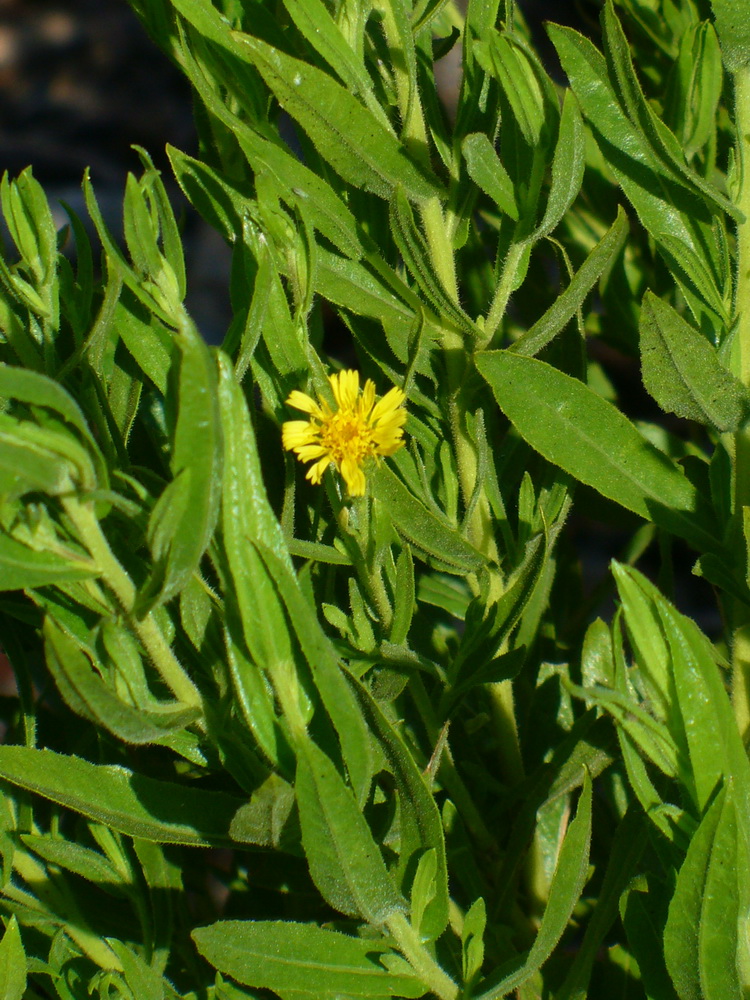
346, 435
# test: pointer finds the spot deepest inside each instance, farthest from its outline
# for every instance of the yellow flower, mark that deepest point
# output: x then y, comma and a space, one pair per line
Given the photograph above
347, 436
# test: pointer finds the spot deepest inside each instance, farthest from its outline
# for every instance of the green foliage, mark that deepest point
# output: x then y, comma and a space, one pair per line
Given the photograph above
272, 739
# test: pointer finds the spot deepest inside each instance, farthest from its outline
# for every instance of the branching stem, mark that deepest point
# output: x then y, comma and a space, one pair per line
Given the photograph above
420, 959
81, 514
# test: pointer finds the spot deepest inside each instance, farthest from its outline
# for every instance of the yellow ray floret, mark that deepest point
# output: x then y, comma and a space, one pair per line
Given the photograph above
346, 436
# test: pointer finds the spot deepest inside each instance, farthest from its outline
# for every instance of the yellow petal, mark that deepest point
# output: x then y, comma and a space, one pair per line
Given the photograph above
388, 405
367, 399
353, 476
315, 472
298, 432
345, 387
301, 401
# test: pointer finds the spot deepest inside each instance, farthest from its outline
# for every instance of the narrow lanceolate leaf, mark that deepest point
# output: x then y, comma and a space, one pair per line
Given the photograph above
38, 390
22, 567
131, 803
287, 957
682, 931
488, 173
328, 212
144, 982
660, 139
313, 20
570, 300
660, 194
567, 167
12, 963
573, 427
682, 371
426, 533
345, 862
420, 825
416, 255
340, 703
721, 912
184, 519
567, 885
356, 144
88, 695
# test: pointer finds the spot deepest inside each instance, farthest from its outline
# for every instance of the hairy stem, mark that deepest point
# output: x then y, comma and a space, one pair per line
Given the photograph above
420, 959
117, 580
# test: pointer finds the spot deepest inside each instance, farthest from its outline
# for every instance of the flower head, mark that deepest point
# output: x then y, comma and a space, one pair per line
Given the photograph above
358, 428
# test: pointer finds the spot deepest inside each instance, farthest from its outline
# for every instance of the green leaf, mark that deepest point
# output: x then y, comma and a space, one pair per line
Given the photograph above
330, 683
488, 173
356, 144
40, 391
318, 27
682, 931
702, 696
12, 963
147, 340
404, 598
425, 532
472, 940
565, 891
131, 803
416, 255
284, 956
683, 373
345, 862
180, 532
666, 200
661, 141
301, 186
22, 567
350, 137
624, 858
420, 823
423, 889
144, 982
698, 82
733, 28
567, 167
75, 858
88, 695
30, 223
570, 300
518, 74
722, 918
573, 427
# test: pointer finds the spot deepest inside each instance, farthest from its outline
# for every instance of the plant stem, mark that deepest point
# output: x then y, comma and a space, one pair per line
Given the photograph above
117, 580
741, 643
503, 709
420, 959
502, 292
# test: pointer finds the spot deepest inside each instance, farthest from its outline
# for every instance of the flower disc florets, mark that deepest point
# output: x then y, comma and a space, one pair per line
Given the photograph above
356, 430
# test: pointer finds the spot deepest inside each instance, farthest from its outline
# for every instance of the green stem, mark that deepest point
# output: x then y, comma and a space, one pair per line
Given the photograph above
420, 959
117, 580
502, 292
503, 709
741, 644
